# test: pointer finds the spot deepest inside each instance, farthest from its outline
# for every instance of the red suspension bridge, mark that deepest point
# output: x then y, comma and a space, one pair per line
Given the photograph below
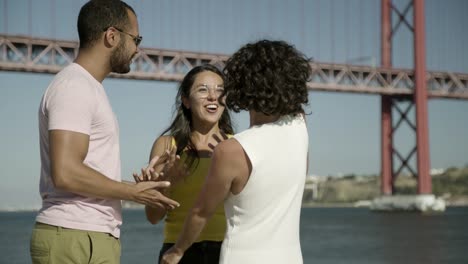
416, 86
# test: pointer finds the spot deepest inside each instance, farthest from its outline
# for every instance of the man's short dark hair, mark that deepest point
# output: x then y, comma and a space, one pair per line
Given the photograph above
98, 15
268, 77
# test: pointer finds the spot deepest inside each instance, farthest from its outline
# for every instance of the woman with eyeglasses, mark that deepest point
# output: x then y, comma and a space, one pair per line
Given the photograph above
200, 123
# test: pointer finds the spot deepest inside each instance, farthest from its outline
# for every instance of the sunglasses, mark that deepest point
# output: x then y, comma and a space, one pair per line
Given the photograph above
136, 39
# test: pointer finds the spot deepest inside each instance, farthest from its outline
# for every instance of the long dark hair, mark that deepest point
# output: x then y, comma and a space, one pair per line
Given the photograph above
181, 126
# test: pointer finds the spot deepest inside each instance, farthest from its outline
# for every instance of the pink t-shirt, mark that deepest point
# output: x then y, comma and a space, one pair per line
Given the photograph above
75, 101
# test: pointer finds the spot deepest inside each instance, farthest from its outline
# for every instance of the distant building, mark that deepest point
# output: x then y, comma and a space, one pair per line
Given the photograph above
311, 188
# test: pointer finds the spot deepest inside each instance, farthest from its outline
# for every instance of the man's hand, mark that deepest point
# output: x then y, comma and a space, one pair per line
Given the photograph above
147, 193
172, 256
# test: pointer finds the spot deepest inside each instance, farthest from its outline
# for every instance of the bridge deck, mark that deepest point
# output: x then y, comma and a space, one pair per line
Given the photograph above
19, 53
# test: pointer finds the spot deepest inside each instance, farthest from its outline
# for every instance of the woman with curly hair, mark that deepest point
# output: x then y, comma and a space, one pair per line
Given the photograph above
260, 173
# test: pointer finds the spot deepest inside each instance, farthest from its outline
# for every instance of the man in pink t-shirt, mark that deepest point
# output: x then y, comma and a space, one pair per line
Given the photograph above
80, 182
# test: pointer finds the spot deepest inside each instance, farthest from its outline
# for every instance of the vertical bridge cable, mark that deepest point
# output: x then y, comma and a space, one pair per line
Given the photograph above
142, 16
3, 51
153, 8
464, 64
302, 37
270, 17
361, 21
30, 23
161, 21
317, 40
332, 30
5, 17
199, 24
52, 29
375, 56
52, 17
346, 27
30, 18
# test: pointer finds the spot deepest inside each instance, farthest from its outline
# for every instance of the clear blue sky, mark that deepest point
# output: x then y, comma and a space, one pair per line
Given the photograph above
344, 128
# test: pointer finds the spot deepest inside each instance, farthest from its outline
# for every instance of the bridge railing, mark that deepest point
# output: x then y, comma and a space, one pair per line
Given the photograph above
27, 54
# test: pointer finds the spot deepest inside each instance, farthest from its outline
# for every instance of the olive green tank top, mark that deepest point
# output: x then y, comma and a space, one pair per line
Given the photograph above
186, 192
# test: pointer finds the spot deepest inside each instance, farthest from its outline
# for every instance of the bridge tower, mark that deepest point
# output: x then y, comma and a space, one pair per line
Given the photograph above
418, 99
424, 200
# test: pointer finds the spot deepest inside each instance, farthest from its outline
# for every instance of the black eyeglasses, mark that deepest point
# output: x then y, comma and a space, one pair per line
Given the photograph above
136, 39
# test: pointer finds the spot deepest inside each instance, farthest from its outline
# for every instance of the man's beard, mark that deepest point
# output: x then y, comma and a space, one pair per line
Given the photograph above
119, 62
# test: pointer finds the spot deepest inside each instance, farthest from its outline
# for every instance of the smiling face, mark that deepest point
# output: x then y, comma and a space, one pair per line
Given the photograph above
204, 99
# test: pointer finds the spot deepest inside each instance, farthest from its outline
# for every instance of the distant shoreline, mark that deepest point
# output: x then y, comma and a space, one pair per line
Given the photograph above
308, 205
328, 205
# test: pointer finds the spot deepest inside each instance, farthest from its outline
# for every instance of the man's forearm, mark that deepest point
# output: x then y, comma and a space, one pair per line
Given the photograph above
82, 179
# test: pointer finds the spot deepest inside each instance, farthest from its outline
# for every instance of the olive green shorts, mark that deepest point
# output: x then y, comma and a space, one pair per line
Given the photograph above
57, 245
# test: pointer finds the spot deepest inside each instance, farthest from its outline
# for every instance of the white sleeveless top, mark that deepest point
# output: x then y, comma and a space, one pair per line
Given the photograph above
263, 219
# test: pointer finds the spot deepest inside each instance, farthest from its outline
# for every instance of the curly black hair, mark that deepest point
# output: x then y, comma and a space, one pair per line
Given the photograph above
268, 77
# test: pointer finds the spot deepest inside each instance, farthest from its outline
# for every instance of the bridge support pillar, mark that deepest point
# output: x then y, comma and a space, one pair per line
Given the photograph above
419, 100
386, 132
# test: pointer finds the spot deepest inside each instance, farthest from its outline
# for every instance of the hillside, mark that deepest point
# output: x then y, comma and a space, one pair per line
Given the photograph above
452, 185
